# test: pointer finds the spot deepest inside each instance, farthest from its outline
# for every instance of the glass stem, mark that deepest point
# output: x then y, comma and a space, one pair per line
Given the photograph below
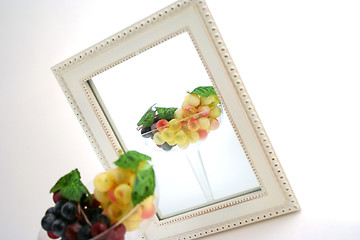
194, 158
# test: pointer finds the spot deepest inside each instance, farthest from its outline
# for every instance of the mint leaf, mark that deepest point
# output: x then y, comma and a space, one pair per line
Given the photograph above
144, 185
131, 160
204, 91
165, 113
71, 187
148, 118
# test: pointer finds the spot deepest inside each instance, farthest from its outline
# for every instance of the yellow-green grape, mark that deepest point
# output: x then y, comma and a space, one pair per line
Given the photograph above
184, 126
168, 134
204, 123
133, 221
180, 137
158, 139
122, 193
115, 212
102, 197
206, 100
215, 101
175, 124
184, 145
129, 177
103, 181
215, 112
148, 200
179, 114
118, 174
192, 99
172, 142
193, 137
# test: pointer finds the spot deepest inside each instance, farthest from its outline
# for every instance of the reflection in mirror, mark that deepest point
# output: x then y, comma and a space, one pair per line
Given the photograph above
186, 180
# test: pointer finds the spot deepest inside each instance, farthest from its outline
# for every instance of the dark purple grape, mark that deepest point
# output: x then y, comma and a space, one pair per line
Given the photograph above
98, 228
154, 128
156, 119
118, 233
69, 210
47, 221
71, 232
57, 196
92, 213
58, 227
50, 210
146, 132
58, 206
101, 218
84, 233
166, 147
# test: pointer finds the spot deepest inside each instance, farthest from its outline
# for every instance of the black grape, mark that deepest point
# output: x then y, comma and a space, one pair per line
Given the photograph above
146, 132
47, 221
58, 227
69, 210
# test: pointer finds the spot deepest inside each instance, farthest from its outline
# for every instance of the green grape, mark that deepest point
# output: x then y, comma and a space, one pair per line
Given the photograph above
193, 137
102, 197
204, 123
103, 181
172, 142
184, 145
175, 124
168, 134
215, 101
158, 138
180, 137
179, 114
215, 112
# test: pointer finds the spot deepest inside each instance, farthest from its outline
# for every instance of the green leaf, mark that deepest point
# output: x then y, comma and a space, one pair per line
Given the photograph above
204, 91
71, 187
148, 118
131, 160
165, 113
74, 175
74, 191
144, 185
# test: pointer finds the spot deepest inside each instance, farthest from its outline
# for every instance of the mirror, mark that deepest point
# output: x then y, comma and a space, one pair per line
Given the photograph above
230, 179
223, 164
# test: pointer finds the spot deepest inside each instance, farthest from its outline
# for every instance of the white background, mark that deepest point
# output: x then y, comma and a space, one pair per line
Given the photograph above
299, 60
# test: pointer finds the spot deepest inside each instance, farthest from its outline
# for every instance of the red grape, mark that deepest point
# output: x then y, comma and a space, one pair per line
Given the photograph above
52, 236
118, 233
98, 228
71, 231
57, 196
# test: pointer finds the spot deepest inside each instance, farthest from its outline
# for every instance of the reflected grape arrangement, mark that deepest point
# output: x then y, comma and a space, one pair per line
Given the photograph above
183, 126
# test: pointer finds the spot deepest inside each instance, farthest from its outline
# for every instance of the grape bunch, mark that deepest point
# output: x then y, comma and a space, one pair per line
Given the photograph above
123, 197
73, 220
113, 189
189, 124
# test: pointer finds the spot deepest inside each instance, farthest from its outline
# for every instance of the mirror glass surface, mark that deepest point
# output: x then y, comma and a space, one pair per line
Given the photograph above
163, 75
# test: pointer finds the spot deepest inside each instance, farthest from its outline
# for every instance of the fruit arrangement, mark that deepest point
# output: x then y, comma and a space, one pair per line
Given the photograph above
122, 199
169, 127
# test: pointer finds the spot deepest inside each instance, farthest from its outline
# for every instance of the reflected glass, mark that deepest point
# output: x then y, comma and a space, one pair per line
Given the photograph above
163, 75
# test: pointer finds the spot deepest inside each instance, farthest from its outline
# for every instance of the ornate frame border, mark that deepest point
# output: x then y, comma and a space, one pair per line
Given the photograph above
74, 84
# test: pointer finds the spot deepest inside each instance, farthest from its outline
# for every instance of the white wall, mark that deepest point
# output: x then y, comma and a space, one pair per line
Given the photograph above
300, 62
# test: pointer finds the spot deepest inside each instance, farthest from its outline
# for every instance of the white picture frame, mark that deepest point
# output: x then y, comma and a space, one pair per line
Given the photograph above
192, 16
